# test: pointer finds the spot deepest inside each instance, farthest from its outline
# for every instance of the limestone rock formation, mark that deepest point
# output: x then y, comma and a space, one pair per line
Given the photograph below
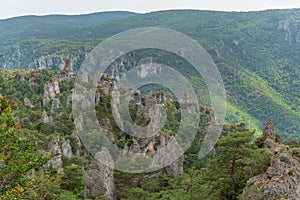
54, 145
55, 105
75, 134
237, 41
56, 161
282, 178
51, 89
68, 68
27, 103
134, 147
170, 155
153, 98
66, 148
106, 83
98, 176
52, 62
147, 68
57, 148
268, 130
285, 25
45, 118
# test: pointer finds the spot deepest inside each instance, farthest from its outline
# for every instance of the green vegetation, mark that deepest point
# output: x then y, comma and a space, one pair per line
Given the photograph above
256, 53
17, 156
221, 175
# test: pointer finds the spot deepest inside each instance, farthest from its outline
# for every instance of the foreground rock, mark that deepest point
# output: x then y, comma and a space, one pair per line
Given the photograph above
99, 177
282, 178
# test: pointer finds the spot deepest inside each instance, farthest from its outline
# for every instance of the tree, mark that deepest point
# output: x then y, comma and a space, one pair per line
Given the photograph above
237, 159
16, 155
72, 179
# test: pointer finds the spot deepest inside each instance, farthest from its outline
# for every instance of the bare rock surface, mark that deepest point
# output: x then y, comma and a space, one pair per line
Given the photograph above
98, 176
282, 178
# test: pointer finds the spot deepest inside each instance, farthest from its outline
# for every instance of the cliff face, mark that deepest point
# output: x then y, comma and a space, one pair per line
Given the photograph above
39, 57
14, 55
98, 177
282, 178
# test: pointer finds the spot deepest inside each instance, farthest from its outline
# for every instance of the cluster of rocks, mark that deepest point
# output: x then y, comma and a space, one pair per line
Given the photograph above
14, 56
58, 147
282, 178
291, 31
51, 89
45, 118
47, 63
27, 103
98, 177
68, 68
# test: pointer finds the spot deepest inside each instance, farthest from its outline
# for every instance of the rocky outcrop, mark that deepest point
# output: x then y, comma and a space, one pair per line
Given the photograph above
238, 41
290, 31
68, 67
268, 130
152, 99
51, 89
166, 153
98, 176
11, 56
56, 104
14, 55
27, 103
41, 56
282, 178
49, 62
147, 68
134, 147
45, 118
66, 148
106, 83
283, 25
55, 149
75, 134
57, 163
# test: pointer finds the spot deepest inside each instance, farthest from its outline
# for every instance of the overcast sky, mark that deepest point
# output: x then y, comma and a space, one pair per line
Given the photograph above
12, 8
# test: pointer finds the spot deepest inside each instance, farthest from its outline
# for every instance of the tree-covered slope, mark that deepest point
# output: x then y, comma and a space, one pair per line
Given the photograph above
257, 53
52, 23
44, 157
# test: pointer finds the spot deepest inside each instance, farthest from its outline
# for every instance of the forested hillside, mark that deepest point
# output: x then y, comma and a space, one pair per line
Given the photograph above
43, 157
256, 53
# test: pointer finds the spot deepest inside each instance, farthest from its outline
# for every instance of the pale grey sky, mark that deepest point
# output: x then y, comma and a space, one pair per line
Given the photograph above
12, 8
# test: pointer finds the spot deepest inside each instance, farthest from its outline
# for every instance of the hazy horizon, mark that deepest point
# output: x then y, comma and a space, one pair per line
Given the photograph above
16, 8
103, 11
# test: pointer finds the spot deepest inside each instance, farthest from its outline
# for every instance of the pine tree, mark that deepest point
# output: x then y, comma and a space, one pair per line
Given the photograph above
237, 159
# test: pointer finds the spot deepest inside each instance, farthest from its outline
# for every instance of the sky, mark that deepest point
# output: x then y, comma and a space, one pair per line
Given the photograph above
12, 8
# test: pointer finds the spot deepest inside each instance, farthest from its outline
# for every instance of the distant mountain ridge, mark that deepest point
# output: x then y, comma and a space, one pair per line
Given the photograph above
257, 53
18, 25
